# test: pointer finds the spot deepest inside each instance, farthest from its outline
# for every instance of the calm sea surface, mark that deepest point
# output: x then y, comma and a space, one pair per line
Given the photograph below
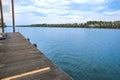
85, 54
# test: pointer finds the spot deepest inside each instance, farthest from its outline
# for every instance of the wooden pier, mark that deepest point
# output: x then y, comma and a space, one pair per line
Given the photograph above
20, 60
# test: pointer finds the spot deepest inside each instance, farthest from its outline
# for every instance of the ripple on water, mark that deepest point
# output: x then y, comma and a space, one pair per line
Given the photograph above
85, 54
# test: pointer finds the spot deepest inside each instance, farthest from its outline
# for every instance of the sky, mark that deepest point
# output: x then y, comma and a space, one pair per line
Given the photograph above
61, 11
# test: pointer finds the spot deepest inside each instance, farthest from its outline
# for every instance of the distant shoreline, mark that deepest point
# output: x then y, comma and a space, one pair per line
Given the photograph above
64, 27
88, 24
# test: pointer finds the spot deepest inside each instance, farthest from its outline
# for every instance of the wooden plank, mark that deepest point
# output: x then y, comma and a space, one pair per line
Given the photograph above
27, 73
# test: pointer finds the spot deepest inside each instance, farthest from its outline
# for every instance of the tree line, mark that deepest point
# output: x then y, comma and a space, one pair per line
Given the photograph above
1, 24
88, 24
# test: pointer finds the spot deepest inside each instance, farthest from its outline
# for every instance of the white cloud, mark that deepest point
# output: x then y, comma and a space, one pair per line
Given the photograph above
112, 12
6, 5
57, 11
91, 2
6, 9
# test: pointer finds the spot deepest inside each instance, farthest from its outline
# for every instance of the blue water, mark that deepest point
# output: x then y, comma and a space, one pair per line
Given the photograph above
85, 54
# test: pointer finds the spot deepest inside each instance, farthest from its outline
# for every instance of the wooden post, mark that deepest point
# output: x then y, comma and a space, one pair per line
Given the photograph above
2, 20
13, 17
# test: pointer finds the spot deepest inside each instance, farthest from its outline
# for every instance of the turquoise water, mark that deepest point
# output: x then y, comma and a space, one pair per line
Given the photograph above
85, 54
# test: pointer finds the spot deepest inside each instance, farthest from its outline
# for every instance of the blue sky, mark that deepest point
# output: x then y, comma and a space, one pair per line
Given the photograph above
61, 11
